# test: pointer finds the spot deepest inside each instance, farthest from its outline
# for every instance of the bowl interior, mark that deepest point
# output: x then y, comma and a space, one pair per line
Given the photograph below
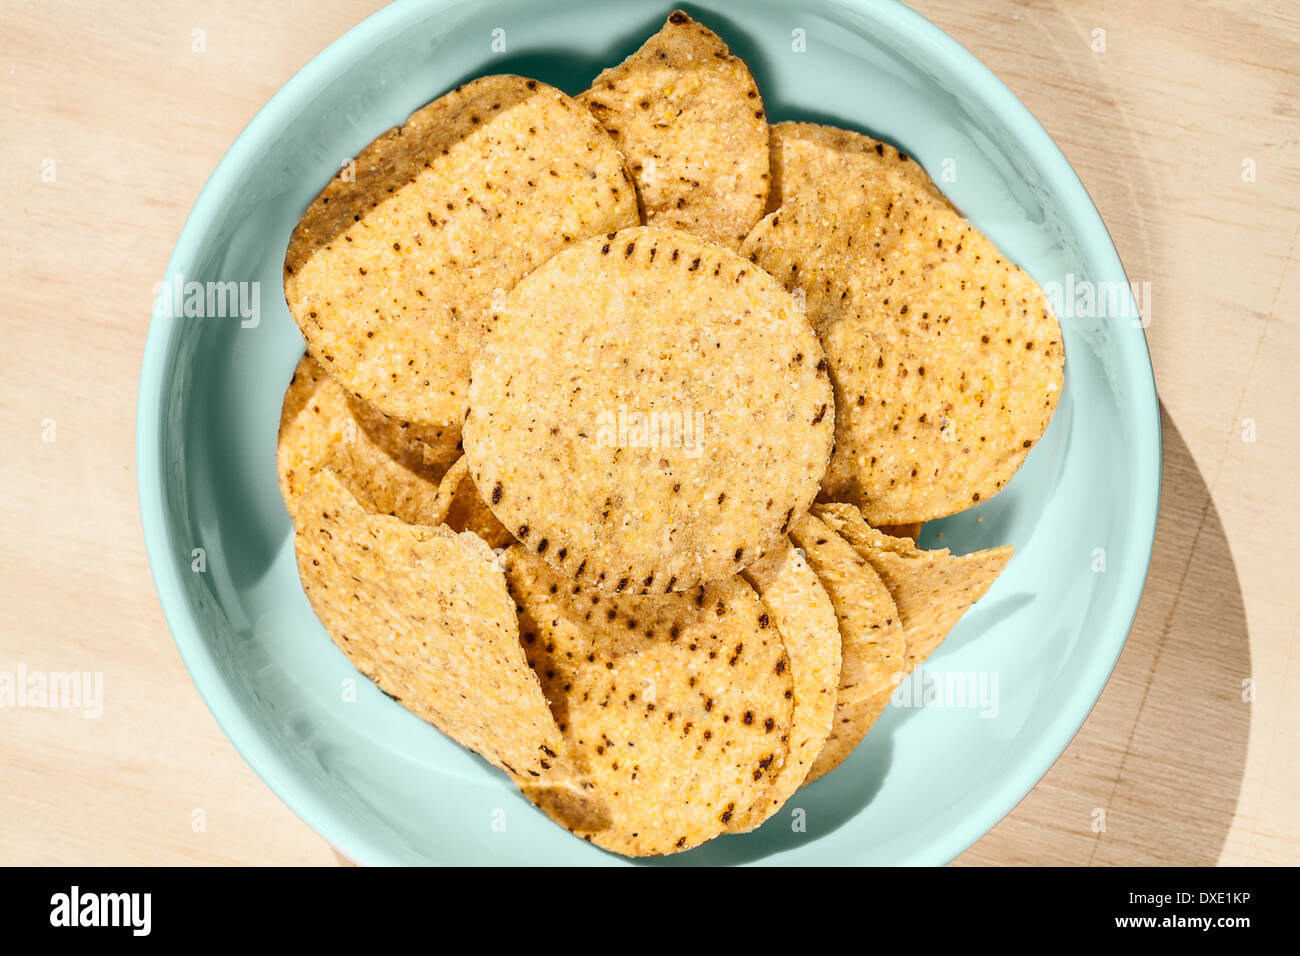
1004, 694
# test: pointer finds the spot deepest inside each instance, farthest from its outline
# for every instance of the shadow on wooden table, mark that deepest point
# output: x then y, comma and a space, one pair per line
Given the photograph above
1164, 750
1190, 656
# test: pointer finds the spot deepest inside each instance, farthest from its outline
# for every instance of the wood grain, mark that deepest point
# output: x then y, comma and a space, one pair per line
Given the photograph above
1158, 125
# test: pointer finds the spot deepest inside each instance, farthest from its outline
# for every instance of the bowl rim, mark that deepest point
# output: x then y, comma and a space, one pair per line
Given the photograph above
345, 833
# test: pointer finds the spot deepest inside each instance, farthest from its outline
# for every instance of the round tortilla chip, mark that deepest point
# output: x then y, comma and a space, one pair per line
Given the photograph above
946, 359
803, 614
688, 117
651, 412
675, 709
380, 463
873, 642
424, 613
932, 589
392, 271
809, 156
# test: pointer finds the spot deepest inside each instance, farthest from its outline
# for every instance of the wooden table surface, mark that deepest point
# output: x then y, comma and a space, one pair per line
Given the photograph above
1182, 120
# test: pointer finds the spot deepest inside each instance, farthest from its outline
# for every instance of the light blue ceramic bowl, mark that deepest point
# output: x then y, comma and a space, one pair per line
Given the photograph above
383, 786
